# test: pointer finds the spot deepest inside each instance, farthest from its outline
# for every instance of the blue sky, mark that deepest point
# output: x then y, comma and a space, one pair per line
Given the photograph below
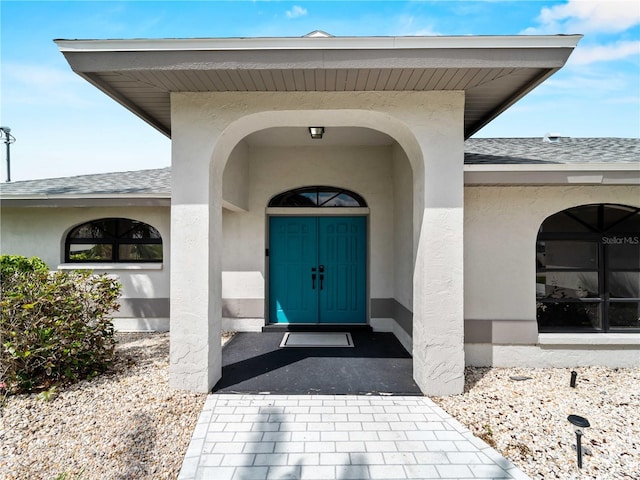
64, 126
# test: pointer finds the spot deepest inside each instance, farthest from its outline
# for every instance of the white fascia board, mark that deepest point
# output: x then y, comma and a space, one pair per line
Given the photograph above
316, 43
55, 201
553, 174
89, 196
553, 167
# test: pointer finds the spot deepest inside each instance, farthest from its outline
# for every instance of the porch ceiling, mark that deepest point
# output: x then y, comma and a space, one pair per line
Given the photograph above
494, 72
299, 137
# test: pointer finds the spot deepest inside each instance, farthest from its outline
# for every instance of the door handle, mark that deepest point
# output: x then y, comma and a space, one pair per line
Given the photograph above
313, 278
321, 270
321, 279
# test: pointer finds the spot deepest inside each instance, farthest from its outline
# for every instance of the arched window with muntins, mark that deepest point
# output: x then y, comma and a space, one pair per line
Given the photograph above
588, 270
113, 240
318, 197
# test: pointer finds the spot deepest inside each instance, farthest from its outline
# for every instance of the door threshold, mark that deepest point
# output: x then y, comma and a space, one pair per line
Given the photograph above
317, 327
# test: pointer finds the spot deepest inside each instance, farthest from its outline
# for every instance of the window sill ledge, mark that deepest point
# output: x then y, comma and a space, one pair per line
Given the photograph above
589, 339
110, 266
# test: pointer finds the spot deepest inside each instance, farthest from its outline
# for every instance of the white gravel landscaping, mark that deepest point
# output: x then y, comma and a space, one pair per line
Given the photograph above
128, 423
526, 420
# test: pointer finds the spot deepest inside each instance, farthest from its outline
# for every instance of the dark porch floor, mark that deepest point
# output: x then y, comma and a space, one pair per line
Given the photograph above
377, 364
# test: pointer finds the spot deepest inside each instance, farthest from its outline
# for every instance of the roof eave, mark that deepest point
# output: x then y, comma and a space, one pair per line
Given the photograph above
517, 95
84, 200
132, 107
89, 58
552, 174
318, 43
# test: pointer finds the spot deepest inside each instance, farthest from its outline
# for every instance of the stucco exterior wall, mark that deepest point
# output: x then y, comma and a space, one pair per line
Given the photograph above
501, 227
235, 183
41, 232
403, 227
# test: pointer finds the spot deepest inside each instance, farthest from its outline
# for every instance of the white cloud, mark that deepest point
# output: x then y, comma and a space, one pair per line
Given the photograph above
296, 11
585, 85
410, 26
33, 84
425, 32
605, 53
587, 16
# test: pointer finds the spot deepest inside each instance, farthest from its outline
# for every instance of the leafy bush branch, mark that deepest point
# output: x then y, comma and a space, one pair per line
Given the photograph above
54, 327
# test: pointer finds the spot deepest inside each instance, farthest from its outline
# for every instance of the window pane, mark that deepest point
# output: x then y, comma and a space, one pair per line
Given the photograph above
105, 228
325, 196
567, 254
587, 214
559, 285
141, 230
624, 284
96, 252
300, 199
317, 197
622, 219
624, 315
308, 198
562, 223
568, 316
623, 252
89, 230
342, 200
125, 225
140, 251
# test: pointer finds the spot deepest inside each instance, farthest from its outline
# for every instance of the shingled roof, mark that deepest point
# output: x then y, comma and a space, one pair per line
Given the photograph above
565, 150
156, 183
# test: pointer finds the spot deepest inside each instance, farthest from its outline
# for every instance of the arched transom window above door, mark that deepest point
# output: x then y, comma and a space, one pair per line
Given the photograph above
317, 197
588, 270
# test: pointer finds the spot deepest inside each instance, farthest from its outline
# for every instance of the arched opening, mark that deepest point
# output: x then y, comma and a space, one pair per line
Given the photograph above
588, 270
265, 154
352, 172
113, 240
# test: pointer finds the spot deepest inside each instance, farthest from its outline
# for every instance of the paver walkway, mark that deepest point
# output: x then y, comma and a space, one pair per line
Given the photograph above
330, 437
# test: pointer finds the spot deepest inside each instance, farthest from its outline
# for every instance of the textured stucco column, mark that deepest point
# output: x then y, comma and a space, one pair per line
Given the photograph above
196, 218
438, 302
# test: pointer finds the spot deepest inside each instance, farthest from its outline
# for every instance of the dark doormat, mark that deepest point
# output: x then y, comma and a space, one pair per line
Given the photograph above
377, 364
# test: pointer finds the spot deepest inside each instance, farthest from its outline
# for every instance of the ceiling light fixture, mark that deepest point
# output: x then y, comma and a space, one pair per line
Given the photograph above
316, 132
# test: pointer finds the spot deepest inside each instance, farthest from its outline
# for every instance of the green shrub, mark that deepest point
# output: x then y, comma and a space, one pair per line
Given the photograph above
11, 264
54, 327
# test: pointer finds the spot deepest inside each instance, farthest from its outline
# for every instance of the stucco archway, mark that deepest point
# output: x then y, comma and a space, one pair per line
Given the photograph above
434, 140
284, 158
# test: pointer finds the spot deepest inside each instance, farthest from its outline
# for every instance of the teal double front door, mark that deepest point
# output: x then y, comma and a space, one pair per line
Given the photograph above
317, 270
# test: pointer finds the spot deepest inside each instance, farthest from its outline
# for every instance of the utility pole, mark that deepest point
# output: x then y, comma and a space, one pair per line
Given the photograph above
5, 135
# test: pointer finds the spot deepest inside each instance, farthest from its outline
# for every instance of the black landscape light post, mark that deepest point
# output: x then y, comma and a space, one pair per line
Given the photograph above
5, 135
578, 423
574, 375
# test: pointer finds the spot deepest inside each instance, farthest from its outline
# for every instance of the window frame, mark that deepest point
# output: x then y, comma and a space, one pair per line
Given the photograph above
281, 200
115, 241
596, 235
